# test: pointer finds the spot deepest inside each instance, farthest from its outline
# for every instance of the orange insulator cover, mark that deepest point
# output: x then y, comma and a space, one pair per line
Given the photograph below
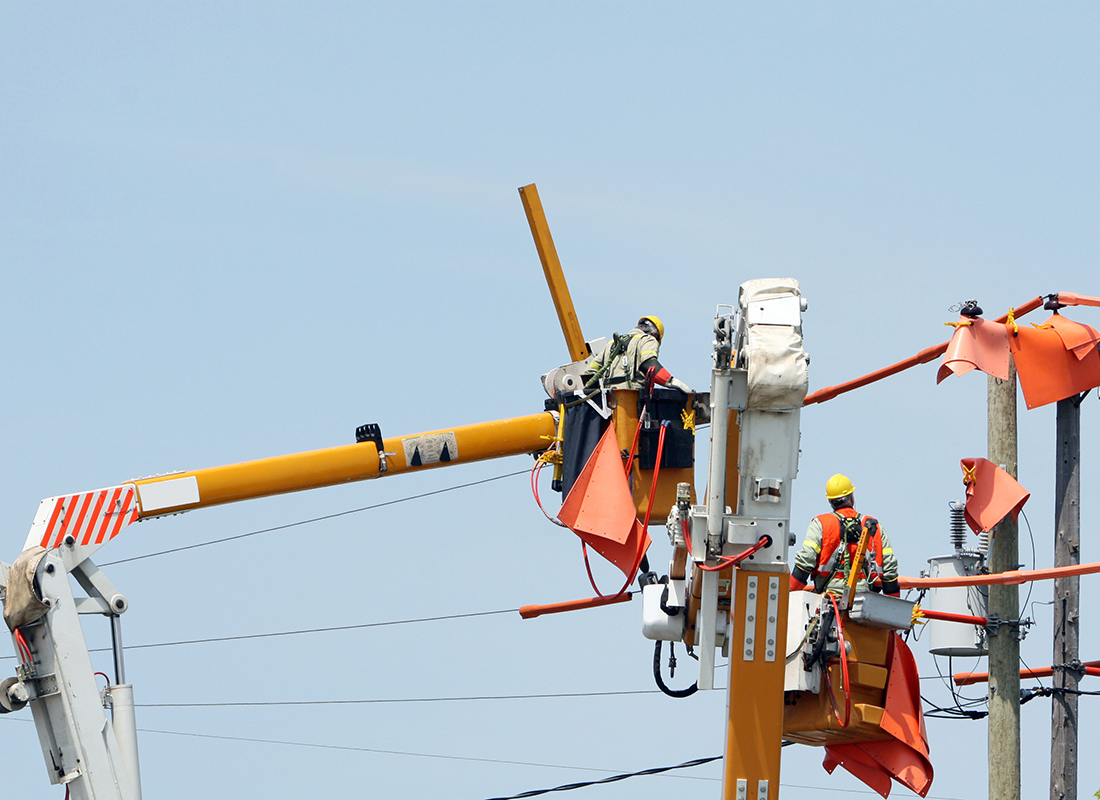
600, 510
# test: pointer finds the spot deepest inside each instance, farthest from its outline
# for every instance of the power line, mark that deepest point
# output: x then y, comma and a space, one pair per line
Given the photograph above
314, 630
655, 771
560, 695
571, 786
686, 765
272, 634
389, 752
303, 631
316, 519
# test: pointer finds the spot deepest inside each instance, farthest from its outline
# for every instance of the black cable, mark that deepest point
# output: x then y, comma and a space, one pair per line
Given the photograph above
1056, 690
1030, 584
654, 771
613, 779
688, 692
1027, 666
316, 519
950, 684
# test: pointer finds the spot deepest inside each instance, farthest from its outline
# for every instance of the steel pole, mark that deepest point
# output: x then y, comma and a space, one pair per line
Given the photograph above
1004, 602
1067, 603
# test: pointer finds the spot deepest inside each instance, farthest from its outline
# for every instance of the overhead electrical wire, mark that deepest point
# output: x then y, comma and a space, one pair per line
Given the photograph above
561, 695
391, 752
315, 519
686, 765
1031, 535
241, 637
642, 773
357, 626
612, 779
378, 751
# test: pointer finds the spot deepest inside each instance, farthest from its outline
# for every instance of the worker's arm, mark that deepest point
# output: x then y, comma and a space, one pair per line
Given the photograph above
889, 567
662, 377
806, 559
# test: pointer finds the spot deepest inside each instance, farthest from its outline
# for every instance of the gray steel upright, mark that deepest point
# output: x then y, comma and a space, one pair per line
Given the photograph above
1067, 603
1004, 602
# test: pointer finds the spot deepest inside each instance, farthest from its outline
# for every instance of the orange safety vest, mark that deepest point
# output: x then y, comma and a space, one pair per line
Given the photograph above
835, 558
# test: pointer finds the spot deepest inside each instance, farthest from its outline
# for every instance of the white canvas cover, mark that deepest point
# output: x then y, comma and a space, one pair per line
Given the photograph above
777, 364
21, 604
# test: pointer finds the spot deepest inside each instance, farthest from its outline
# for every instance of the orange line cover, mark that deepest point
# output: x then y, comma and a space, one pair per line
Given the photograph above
923, 357
1010, 578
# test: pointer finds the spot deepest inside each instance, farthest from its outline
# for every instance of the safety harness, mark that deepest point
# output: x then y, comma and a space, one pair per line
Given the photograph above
838, 531
618, 349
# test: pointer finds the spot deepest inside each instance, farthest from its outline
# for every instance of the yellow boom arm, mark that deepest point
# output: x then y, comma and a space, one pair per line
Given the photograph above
358, 462
91, 519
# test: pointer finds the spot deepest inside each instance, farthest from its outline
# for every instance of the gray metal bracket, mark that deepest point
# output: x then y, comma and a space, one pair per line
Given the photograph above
103, 596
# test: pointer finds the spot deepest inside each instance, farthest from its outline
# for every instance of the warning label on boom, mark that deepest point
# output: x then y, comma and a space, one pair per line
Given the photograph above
431, 448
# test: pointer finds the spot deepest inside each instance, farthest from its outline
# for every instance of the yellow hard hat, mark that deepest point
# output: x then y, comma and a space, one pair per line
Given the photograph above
660, 326
838, 486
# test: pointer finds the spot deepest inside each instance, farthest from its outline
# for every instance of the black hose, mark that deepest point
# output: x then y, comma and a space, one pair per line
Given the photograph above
822, 634
672, 611
688, 692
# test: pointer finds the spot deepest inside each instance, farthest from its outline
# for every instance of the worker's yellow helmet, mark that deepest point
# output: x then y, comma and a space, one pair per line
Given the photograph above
838, 486
660, 326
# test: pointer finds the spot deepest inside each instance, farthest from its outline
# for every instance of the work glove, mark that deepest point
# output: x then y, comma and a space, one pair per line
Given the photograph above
676, 383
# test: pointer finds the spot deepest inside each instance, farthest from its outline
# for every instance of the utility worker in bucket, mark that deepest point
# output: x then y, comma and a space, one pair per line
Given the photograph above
627, 361
825, 560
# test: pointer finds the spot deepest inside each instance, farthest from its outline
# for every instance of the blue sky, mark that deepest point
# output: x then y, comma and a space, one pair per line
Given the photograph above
238, 230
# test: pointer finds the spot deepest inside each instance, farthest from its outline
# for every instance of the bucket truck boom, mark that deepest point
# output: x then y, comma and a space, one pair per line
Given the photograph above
94, 757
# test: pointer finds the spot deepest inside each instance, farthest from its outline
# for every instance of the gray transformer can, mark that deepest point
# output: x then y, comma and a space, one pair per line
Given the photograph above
956, 638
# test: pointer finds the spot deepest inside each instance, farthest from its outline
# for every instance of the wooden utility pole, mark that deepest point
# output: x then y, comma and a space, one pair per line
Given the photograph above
1004, 602
1067, 603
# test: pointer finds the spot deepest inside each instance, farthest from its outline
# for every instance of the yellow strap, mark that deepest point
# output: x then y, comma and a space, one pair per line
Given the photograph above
1011, 321
550, 456
1041, 327
688, 420
553, 455
966, 324
970, 475
918, 616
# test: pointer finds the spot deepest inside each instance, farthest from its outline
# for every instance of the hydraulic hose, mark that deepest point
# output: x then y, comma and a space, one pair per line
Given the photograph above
688, 692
